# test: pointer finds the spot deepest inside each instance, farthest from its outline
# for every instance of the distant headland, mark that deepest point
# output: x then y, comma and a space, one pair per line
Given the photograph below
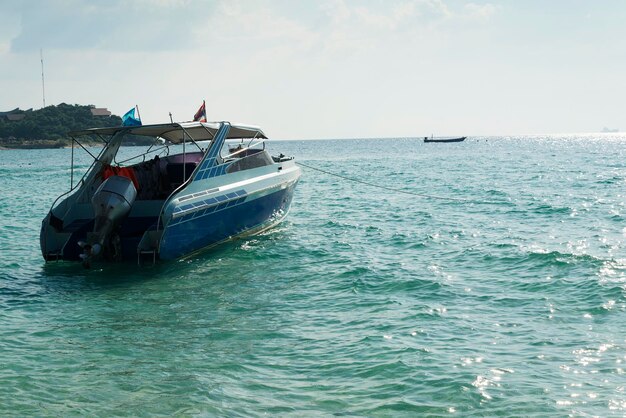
48, 127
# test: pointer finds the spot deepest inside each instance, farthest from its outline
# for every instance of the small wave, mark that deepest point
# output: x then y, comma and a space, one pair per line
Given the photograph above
392, 408
560, 258
551, 258
612, 180
355, 272
429, 287
493, 192
502, 245
405, 241
381, 370
547, 209
339, 225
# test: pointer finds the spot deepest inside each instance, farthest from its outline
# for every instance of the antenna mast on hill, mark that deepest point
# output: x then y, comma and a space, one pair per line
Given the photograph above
43, 86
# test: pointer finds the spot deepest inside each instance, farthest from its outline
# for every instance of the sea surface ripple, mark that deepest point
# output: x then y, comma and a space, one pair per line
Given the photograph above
510, 301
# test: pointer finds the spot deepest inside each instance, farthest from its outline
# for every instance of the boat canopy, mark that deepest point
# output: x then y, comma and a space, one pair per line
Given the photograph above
176, 133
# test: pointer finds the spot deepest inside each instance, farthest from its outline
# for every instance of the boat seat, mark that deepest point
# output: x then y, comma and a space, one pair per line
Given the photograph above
175, 172
149, 178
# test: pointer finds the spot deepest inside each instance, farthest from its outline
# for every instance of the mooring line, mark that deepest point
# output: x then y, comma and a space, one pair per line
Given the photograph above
429, 196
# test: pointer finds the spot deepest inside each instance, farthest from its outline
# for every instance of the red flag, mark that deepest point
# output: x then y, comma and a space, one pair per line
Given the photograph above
200, 115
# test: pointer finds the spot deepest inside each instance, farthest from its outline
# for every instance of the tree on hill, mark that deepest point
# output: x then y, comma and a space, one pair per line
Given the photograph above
52, 123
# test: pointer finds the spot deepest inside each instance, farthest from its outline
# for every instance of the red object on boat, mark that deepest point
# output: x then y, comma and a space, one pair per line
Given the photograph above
127, 172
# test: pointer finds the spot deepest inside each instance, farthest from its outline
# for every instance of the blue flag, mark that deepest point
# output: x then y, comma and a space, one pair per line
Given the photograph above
129, 119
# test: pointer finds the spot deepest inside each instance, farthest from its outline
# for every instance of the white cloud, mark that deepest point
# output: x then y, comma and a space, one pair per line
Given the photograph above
376, 20
231, 8
261, 25
435, 8
358, 27
410, 13
337, 10
482, 12
404, 11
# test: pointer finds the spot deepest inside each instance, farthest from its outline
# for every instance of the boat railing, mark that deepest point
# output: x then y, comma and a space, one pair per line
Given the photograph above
82, 180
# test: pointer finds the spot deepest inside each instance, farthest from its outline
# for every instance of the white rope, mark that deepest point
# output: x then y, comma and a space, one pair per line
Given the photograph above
429, 196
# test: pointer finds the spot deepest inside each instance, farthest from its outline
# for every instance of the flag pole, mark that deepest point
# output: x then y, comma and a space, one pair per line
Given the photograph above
43, 86
138, 115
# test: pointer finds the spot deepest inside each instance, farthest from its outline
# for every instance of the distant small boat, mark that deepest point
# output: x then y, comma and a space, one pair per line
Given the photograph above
442, 139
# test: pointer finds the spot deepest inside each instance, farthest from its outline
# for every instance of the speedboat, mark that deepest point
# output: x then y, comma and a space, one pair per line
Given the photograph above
197, 185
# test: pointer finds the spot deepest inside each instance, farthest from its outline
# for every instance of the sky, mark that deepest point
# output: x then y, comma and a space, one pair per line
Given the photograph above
305, 69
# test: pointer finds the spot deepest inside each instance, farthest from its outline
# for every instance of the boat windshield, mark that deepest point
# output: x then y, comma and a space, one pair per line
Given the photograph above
238, 148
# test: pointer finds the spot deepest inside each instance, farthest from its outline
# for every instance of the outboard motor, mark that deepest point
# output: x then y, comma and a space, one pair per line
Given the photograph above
111, 204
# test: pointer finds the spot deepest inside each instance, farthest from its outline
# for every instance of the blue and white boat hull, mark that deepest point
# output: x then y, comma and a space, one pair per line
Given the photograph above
241, 214
215, 214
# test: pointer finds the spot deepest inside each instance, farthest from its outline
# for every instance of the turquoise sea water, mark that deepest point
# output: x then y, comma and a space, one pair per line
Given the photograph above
365, 302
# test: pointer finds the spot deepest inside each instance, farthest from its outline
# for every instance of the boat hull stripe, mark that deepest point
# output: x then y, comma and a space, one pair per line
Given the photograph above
214, 224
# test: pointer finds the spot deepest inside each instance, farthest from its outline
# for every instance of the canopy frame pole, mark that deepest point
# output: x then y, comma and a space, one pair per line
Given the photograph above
87, 151
143, 154
72, 167
191, 138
